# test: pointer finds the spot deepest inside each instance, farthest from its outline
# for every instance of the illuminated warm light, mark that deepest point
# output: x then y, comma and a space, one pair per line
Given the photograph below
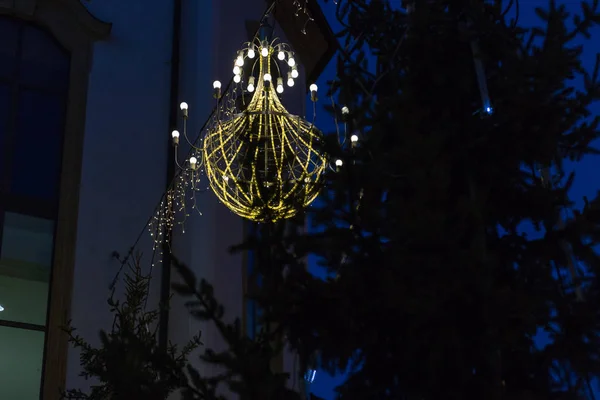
183, 106
313, 87
281, 56
294, 73
264, 51
216, 85
263, 163
237, 78
1, 308
236, 70
354, 138
193, 162
175, 134
239, 61
339, 163
345, 110
291, 62
251, 53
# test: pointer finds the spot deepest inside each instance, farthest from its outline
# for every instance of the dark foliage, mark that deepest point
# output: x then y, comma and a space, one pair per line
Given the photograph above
129, 364
436, 292
246, 364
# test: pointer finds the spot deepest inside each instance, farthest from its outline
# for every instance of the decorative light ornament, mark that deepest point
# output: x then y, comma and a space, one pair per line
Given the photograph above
251, 53
239, 61
294, 72
237, 78
272, 160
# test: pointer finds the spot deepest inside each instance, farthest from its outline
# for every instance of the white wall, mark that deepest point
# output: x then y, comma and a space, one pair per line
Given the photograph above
125, 152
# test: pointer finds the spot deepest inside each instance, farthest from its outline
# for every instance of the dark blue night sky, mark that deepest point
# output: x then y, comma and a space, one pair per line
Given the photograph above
587, 181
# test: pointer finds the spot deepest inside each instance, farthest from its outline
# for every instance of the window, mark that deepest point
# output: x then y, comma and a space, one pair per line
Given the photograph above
34, 83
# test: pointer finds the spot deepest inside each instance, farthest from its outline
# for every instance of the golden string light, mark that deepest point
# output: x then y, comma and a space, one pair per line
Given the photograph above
263, 163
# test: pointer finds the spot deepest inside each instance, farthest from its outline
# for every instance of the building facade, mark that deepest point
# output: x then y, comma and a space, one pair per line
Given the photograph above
88, 95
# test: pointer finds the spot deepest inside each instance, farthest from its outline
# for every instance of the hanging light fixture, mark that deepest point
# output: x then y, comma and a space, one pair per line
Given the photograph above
263, 163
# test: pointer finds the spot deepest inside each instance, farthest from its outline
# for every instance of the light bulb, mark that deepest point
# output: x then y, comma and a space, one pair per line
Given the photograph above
216, 85
175, 134
290, 82
279, 88
183, 106
267, 77
354, 138
339, 162
251, 88
193, 161
225, 178
345, 110
313, 87
294, 73
251, 53
239, 61
237, 78
236, 70
291, 62
264, 51
281, 56
1, 308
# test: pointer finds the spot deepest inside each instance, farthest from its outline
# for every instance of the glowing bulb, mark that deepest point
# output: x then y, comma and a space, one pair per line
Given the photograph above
339, 162
236, 70
290, 82
345, 110
294, 73
251, 53
237, 78
250, 88
216, 85
264, 51
281, 56
267, 77
291, 62
175, 134
313, 87
239, 61
193, 161
279, 88
183, 106
1, 308
225, 178
354, 138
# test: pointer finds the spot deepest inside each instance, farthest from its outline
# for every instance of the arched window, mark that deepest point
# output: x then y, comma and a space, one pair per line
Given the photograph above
34, 83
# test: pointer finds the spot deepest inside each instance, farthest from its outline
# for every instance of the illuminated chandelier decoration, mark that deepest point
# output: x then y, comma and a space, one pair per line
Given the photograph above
263, 163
